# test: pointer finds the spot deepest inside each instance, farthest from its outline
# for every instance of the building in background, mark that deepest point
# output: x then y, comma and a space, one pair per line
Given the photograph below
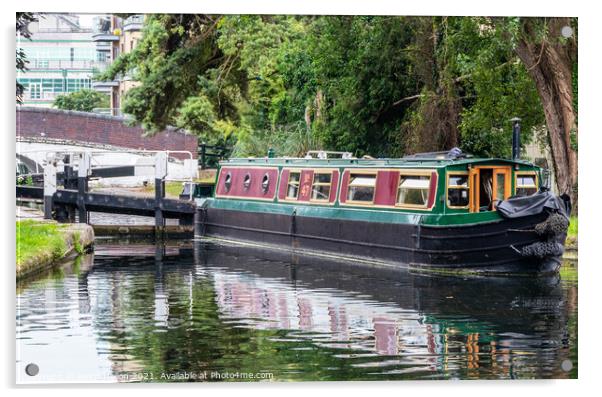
542, 157
115, 36
62, 58
106, 40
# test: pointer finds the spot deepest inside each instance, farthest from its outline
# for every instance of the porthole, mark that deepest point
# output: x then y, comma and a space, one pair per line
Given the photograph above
265, 183
228, 181
247, 181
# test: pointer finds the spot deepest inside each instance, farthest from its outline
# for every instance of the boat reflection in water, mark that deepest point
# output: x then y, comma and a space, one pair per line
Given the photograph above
224, 308
434, 323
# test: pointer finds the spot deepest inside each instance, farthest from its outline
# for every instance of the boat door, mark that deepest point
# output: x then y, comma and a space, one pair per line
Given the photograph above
501, 184
487, 185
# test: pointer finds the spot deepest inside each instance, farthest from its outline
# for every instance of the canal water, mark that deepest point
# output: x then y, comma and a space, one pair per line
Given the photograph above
203, 311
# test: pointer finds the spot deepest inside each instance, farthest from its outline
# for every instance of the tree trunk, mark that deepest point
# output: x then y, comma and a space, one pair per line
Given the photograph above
549, 63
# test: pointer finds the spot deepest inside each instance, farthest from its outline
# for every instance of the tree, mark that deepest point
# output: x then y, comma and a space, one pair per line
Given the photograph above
491, 84
84, 101
551, 60
23, 20
171, 62
385, 86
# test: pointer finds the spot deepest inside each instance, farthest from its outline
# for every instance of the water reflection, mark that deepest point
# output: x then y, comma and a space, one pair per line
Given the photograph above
210, 309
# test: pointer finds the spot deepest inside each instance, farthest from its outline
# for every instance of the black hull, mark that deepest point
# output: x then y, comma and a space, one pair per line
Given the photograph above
482, 248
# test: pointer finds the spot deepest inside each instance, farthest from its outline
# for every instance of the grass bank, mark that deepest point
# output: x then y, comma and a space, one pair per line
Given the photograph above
35, 238
573, 226
174, 188
41, 244
572, 234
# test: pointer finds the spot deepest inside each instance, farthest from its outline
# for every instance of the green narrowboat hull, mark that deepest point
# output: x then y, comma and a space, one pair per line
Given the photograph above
310, 206
483, 243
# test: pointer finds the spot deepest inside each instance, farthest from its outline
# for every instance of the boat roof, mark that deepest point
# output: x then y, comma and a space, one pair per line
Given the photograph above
404, 162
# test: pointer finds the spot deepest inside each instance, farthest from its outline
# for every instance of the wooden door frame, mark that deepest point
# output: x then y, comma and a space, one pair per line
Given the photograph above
474, 185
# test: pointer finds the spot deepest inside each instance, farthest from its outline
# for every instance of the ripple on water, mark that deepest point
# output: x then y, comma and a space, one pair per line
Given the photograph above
224, 311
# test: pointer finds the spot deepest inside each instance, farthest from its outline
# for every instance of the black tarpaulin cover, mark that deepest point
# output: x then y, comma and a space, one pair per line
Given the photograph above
518, 206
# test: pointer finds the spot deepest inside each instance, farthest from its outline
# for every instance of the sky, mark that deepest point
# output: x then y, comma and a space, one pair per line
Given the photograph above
85, 20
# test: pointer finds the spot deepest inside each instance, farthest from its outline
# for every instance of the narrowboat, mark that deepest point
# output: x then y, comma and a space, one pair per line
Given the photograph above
442, 212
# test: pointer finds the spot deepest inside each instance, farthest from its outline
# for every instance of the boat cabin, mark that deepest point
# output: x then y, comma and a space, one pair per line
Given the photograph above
441, 182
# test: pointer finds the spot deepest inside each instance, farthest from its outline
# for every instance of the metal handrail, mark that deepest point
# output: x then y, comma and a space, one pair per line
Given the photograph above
61, 154
323, 154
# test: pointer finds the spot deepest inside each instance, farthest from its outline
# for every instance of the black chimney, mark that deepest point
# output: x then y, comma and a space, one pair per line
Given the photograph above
515, 138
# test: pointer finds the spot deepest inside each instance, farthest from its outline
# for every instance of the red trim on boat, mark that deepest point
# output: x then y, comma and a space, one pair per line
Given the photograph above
283, 184
307, 178
386, 187
334, 185
432, 190
255, 189
344, 183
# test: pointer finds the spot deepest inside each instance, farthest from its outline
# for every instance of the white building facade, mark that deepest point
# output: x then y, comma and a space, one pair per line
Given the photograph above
62, 58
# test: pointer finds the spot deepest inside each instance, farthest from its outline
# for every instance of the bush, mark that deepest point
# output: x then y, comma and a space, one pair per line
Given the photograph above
84, 101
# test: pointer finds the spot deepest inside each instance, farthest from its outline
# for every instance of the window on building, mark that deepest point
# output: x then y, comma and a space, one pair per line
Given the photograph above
102, 56
50, 53
292, 190
413, 190
84, 54
526, 184
361, 187
457, 190
35, 90
58, 85
320, 188
77, 84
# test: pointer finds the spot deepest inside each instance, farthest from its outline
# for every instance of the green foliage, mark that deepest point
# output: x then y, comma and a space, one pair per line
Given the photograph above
361, 68
24, 180
197, 115
83, 101
498, 89
170, 61
384, 86
77, 246
573, 227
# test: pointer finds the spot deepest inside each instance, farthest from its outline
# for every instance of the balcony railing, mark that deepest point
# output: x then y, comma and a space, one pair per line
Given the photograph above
66, 64
64, 30
133, 23
105, 36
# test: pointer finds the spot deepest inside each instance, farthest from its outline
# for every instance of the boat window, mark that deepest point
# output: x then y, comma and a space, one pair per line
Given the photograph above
320, 188
413, 190
457, 191
247, 181
292, 190
526, 184
500, 186
265, 183
361, 187
228, 181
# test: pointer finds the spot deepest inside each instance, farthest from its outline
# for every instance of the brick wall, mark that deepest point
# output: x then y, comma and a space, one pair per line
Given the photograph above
89, 128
